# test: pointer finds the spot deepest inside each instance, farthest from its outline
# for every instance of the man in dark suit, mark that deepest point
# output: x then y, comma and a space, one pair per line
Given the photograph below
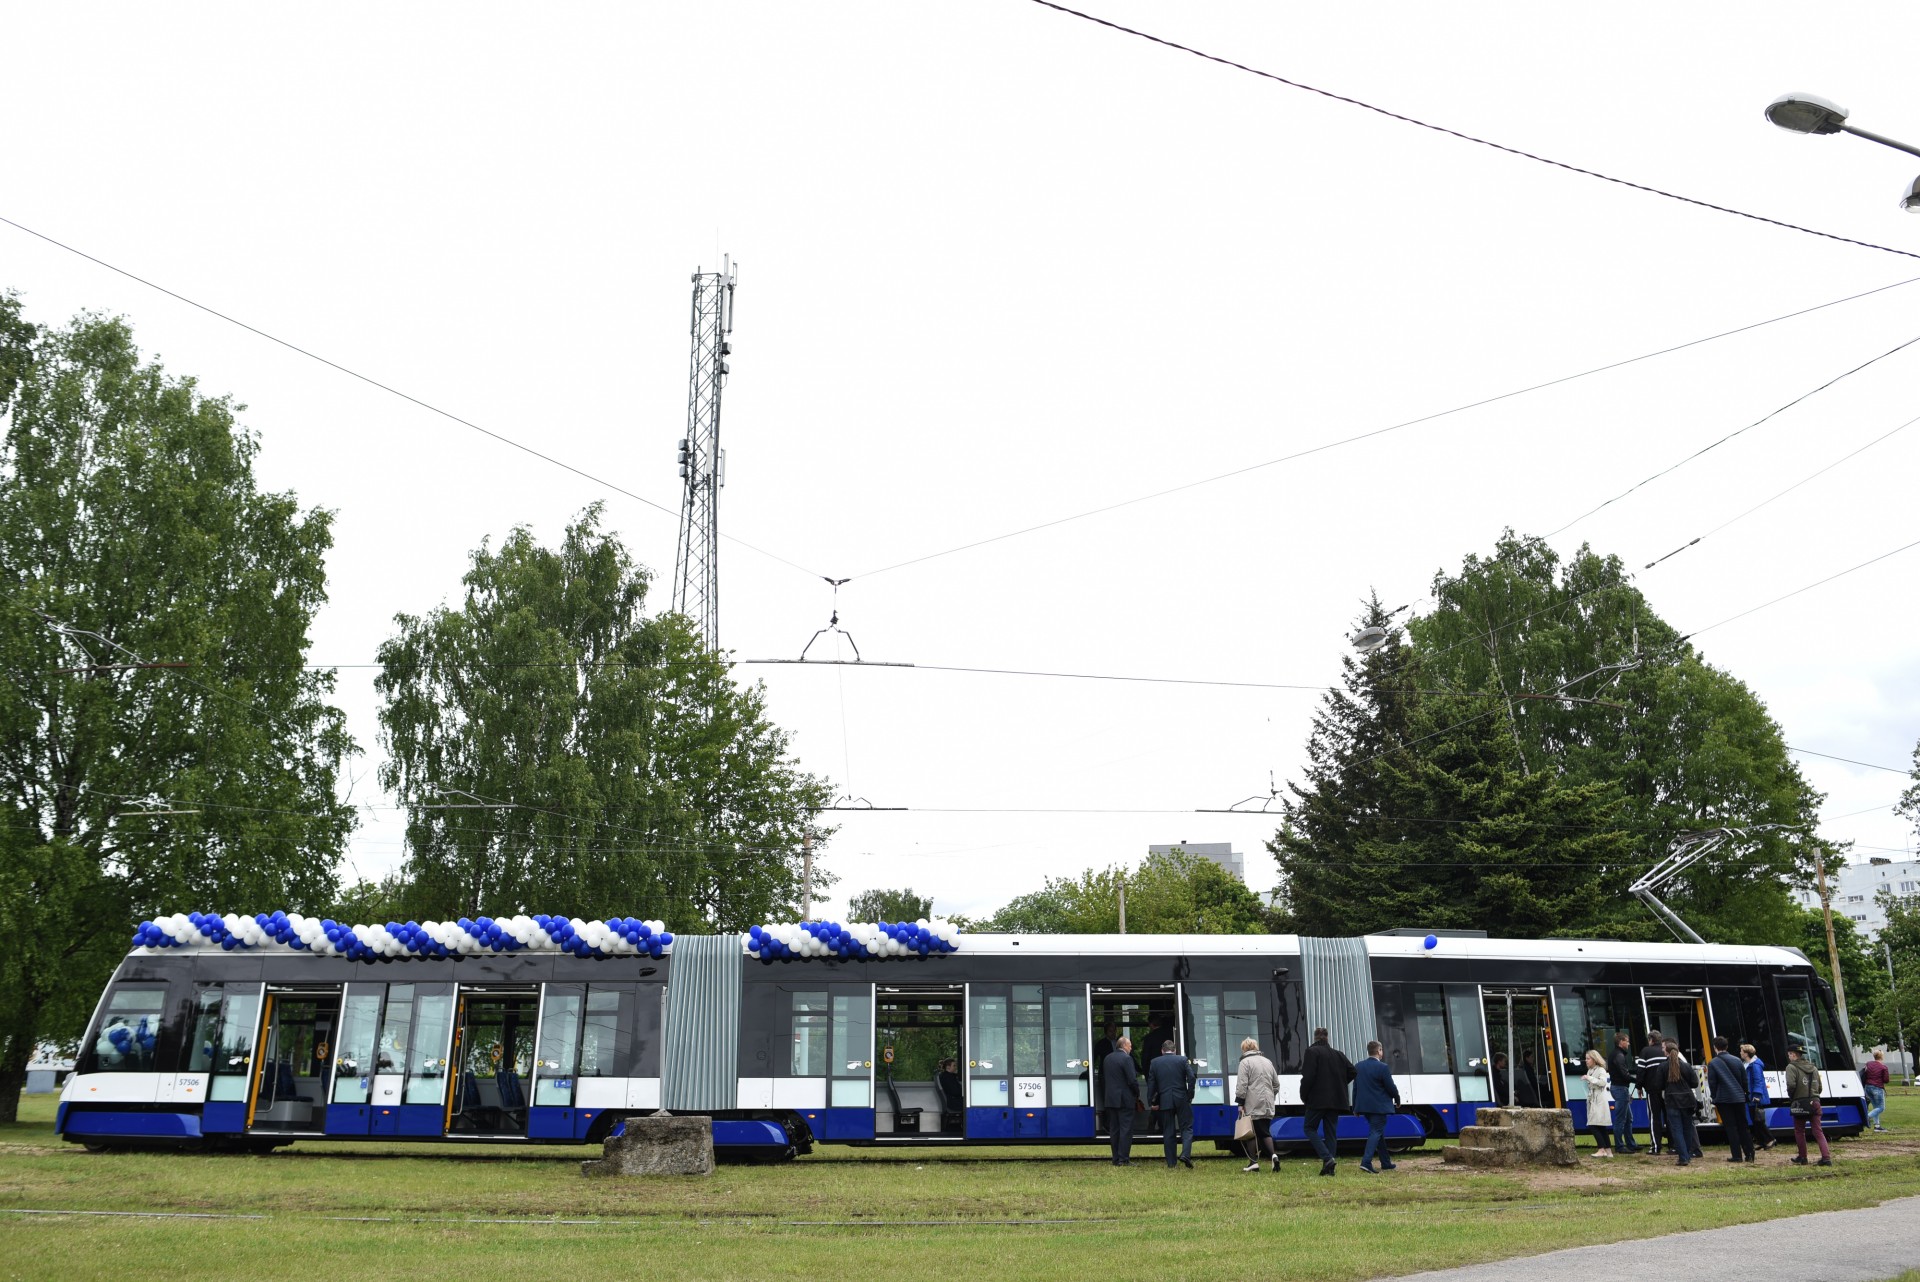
1376, 1098
1324, 1075
1170, 1089
1121, 1099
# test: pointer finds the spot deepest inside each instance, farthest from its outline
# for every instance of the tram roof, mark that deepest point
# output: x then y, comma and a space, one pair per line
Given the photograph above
1451, 946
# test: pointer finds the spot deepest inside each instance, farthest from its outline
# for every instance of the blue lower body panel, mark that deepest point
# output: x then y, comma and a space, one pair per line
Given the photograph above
171, 1126
349, 1119
223, 1117
550, 1123
1214, 1121
750, 1134
1348, 1126
421, 1119
989, 1123
1069, 1123
839, 1123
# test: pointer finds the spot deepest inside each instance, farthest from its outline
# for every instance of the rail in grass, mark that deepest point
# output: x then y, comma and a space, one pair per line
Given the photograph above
253, 1031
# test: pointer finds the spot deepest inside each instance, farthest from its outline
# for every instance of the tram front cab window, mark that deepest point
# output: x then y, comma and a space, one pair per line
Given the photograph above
130, 1028
1810, 1026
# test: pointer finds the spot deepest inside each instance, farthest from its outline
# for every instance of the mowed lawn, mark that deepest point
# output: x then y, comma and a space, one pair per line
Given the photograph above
393, 1210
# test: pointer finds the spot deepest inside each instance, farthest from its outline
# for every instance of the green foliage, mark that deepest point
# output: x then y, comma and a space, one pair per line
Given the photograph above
371, 901
603, 761
888, 905
1900, 937
1418, 812
1168, 894
1862, 971
1909, 804
129, 513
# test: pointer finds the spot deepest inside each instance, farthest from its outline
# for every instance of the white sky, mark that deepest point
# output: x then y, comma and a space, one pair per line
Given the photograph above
1000, 265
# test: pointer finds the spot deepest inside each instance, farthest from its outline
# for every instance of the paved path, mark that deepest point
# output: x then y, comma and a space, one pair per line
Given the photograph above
1868, 1245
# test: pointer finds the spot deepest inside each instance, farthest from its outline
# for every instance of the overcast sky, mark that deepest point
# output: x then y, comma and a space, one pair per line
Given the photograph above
999, 265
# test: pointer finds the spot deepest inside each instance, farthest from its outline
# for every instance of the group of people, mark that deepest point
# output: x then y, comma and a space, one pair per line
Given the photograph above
1325, 1075
1679, 1096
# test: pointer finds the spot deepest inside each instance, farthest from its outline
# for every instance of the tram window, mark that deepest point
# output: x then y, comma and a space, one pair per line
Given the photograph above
1218, 1020
1796, 1004
205, 1035
129, 1031
1029, 1032
852, 1056
1428, 1035
1469, 1030
1833, 1051
427, 1064
1067, 1048
987, 1069
353, 1059
392, 1055
608, 1034
559, 1045
233, 1047
810, 1011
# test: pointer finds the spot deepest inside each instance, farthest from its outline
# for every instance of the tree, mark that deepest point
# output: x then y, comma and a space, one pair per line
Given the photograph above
1861, 970
1595, 687
888, 905
558, 750
132, 534
1416, 812
1909, 804
1900, 940
1168, 894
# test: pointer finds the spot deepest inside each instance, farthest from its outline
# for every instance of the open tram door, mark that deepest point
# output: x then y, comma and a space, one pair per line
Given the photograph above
293, 1068
1682, 1015
493, 1041
1522, 1049
1148, 1015
919, 1058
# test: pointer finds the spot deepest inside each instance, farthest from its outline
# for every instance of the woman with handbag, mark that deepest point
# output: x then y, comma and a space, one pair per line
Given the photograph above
1682, 1106
1255, 1088
1803, 1101
1599, 1104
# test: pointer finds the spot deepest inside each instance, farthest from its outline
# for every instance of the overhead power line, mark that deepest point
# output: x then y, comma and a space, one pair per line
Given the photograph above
1714, 445
1371, 433
1871, 765
1797, 591
1472, 138
391, 390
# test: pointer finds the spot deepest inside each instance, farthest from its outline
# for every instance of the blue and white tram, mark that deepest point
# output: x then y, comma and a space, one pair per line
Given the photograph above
994, 1041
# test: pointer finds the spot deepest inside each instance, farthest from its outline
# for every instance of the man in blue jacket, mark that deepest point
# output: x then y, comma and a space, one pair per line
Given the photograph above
1727, 1085
1170, 1091
1375, 1098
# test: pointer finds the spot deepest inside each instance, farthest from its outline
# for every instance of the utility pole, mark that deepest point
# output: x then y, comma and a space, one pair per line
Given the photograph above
703, 466
1122, 897
1833, 952
806, 874
1899, 1027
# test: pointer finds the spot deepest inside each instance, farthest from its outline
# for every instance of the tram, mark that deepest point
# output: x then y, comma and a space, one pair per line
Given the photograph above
984, 1039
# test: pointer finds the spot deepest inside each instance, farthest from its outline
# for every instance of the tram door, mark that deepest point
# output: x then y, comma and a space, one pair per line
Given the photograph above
919, 1045
1149, 1017
1028, 1075
493, 1044
1529, 1043
1681, 1014
294, 1068
350, 1099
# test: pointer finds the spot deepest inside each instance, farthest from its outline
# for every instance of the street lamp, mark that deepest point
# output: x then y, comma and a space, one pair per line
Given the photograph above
1805, 113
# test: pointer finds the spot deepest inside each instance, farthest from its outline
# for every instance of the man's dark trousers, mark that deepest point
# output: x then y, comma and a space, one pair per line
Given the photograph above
1623, 1119
1319, 1120
1179, 1133
1120, 1133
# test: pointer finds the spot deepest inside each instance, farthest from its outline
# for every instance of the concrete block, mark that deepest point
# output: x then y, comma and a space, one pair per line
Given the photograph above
658, 1144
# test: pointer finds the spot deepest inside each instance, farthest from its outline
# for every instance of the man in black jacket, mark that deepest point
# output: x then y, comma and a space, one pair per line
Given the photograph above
1620, 1075
1727, 1086
1121, 1099
1324, 1076
1652, 1070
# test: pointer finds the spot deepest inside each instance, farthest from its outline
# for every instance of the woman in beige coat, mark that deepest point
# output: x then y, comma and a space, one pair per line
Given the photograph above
1254, 1089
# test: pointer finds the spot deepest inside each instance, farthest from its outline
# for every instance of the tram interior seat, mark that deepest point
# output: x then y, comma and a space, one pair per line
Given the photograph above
286, 1105
513, 1099
909, 1102
906, 1121
289, 1088
953, 1109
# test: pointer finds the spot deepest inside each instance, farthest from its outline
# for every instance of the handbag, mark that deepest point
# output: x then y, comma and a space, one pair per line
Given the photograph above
1243, 1128
1800, 1106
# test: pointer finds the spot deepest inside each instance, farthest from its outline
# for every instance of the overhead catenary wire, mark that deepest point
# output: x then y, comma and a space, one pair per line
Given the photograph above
1787, 596
1472, 138
391, 390
1370, 434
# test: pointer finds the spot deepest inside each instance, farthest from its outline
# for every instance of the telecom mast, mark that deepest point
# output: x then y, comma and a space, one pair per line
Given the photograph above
703, 467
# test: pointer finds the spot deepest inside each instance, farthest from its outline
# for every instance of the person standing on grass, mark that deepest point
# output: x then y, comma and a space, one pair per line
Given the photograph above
1803, 1099
1255, 1088
1759, 1096
1170, 1088
1122, 1099
1874, 1078
1620, 1089
1376, 1098
1677, 1091
1652, 1065
1727, 1085
1600, 1104
1324, 1074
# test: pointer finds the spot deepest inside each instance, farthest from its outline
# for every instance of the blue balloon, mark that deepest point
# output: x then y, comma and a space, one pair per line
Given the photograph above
1431, 941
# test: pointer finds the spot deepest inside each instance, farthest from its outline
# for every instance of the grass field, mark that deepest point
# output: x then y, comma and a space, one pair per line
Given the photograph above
392, 1210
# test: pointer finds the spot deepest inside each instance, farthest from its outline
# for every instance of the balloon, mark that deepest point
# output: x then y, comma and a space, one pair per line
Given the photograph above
1430, 942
